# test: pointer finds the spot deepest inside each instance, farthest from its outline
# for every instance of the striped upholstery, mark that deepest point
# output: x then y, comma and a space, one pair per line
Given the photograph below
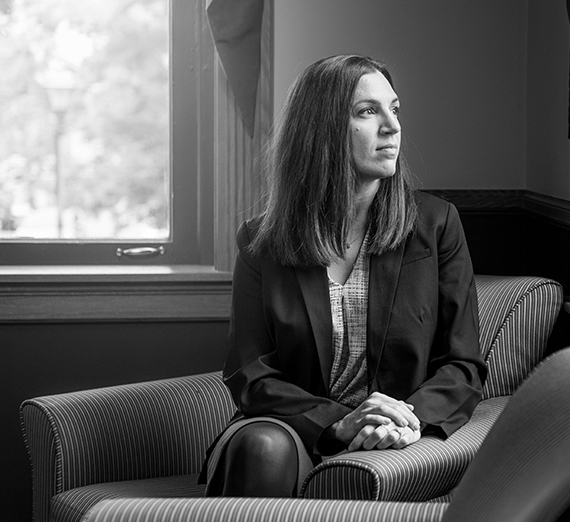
123, 433
517, 315
429, 468
262, 510
522, 471
526, 479
73, 503
145, 439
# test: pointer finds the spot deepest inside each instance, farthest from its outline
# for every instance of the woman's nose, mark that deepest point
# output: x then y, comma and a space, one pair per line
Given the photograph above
390, 124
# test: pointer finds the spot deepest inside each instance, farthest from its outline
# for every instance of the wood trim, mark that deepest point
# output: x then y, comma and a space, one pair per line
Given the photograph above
481, 200
109, 294
554, 210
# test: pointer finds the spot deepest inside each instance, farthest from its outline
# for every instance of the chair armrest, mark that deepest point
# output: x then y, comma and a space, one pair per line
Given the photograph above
261, 510
128, 432
424, 470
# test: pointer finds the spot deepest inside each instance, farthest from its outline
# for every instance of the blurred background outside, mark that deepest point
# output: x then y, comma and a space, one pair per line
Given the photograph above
84, 119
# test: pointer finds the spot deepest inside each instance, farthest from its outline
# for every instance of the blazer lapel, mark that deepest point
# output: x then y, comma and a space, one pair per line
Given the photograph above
382, 285
315, 290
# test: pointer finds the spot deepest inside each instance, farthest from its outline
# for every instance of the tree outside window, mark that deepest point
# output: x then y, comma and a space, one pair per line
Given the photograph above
94, 165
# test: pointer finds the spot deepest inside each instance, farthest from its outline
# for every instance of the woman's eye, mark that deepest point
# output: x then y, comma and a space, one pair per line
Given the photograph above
368, 110
396, 110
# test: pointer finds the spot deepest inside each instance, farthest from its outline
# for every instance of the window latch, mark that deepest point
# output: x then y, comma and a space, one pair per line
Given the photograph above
140, 251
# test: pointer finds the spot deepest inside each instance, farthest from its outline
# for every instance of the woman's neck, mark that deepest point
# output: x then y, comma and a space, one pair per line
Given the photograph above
340, 268
365, 194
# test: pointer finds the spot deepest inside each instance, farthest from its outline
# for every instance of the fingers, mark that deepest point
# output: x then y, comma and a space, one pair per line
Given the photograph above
375, 420
377, 410
407, 437
361, 436
375, 437
398, 411
400, 416
349, 427
382, 437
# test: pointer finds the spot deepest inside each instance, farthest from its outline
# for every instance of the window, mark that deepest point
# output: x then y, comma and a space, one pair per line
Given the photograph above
120, 135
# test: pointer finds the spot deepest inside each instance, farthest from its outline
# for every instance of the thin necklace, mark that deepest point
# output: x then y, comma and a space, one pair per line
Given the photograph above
350, 243
360, 237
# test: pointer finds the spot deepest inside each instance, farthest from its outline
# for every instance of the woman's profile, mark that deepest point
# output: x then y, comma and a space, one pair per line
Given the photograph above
354, 320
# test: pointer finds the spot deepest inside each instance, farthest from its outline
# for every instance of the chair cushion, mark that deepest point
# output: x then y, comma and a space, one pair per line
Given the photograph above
263, 510
71, 506
427, 469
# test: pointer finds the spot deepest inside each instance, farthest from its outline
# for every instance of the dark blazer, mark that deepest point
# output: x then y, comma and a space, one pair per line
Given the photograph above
422, 332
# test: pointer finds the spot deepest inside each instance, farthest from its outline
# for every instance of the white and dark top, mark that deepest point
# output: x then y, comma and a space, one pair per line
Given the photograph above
349, 304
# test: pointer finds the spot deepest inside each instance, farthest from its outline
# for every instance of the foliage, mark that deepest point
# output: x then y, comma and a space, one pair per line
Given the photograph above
111, 145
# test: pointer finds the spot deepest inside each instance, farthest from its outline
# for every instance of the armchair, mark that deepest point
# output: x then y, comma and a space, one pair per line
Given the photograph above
149, 439
521, 472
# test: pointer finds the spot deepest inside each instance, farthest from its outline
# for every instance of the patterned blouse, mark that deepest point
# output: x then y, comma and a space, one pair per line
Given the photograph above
349, 304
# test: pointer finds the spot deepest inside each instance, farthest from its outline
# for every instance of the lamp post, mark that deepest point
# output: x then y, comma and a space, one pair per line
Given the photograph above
59, 85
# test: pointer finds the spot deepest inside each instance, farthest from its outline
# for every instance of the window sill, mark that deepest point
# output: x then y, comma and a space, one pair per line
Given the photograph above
32, 294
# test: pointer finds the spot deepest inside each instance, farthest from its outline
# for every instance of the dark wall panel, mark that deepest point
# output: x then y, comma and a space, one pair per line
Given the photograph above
516, 243
42, 359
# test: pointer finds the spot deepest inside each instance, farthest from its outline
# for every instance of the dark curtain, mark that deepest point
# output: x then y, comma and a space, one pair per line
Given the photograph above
236, 27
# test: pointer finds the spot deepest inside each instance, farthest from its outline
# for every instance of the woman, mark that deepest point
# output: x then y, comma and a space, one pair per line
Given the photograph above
354, 318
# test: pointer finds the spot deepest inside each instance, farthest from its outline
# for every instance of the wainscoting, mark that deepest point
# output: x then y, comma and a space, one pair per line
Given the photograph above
515, 232
518, 232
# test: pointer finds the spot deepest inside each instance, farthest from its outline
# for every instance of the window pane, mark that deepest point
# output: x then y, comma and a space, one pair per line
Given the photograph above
84, 119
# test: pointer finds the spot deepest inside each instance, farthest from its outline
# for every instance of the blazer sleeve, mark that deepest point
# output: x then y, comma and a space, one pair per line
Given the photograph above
252, 371
456, 371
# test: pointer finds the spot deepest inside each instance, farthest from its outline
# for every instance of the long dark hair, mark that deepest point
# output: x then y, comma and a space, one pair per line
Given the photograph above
312, 181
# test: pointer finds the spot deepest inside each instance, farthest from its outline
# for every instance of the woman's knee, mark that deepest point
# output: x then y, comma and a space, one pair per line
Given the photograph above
261, 461
263, 441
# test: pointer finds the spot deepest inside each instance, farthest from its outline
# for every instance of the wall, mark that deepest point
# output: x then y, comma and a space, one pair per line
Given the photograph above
548, 148
459, 68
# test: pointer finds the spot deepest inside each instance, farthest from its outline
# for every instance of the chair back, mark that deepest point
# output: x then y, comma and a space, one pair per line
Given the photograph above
516, 318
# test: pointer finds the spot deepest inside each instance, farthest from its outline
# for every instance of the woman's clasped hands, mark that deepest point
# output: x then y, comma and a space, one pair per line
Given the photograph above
380, 422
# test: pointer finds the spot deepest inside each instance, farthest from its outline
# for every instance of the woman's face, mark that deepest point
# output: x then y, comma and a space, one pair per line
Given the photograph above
374, 128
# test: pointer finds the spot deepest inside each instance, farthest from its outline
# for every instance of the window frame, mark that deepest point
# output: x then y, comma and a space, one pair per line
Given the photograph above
36, 287
199, 147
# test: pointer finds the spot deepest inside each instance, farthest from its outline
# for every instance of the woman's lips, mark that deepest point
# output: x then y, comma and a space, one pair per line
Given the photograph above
388, 150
